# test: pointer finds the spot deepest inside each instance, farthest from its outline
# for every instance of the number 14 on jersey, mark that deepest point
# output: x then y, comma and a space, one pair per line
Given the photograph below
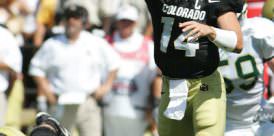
180, 43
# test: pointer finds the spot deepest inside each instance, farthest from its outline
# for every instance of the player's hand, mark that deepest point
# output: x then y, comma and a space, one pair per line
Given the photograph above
197, 30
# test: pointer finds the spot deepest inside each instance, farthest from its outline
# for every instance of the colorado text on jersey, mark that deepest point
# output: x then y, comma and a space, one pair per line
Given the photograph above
194, 14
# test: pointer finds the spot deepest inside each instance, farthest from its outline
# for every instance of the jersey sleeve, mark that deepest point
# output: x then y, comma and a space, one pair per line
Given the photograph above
267, 47
217, 8
263, 37
39, 63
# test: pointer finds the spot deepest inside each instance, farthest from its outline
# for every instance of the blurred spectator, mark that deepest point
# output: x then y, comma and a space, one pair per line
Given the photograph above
144, 24
10, 65
100, 11
12, 15
68, 71
9, 15
126, 104
29, 26
45, 20
156, 93
154, 101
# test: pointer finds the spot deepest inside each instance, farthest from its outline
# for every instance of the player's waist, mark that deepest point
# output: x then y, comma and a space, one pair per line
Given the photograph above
180, 74
186, 69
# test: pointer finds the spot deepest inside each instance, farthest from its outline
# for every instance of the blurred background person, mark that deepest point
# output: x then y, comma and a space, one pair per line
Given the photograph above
126, 104
101, 12
13, 14
68, 71
155, 97
45, 19
10, 67
144, 24
29, 25
153, 104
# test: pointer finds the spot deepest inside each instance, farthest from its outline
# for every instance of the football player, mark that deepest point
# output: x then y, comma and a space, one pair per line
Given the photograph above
243, 74
187, 35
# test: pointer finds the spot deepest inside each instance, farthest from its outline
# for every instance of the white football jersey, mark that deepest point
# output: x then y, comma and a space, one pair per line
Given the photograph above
243, 72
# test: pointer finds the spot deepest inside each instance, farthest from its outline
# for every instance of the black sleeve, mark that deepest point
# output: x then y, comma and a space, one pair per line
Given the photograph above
236, 5
217, 9
224, 6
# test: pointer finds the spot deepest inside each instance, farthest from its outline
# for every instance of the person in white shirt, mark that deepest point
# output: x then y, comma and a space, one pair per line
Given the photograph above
10, 63
243, 74
126, 103
70, 66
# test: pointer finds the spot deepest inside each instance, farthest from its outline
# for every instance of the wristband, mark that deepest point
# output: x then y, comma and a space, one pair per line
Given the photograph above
225, 39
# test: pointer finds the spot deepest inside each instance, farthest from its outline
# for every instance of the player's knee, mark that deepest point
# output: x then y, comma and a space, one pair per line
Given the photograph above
206, 121
205, 118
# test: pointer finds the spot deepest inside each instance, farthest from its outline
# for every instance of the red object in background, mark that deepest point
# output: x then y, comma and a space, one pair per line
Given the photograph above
255, 8
255, 1
266, 79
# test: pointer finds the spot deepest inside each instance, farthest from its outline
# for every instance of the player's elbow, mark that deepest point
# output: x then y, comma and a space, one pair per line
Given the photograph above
239, 48
239, 45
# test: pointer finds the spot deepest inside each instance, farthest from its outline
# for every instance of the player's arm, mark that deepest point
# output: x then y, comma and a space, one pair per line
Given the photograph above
264, 36
228, 36
229, 22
